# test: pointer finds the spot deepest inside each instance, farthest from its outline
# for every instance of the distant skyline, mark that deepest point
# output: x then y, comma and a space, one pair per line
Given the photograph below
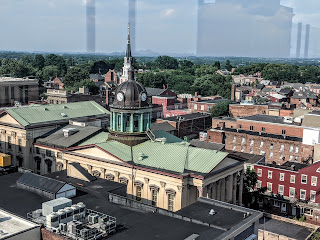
166, 26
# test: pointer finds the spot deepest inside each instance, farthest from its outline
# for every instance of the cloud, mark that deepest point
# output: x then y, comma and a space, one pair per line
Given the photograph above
168, 12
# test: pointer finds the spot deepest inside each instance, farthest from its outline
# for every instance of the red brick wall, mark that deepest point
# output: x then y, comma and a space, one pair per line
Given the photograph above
247, 110
206, 106
304, 151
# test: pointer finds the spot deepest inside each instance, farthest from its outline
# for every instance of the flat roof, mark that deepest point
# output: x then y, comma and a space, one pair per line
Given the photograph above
284, 228
132, 224
267, 118
187, 117
12, 224
207, 145
11, 79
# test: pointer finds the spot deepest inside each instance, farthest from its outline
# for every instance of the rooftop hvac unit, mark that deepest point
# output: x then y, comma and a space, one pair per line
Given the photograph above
52, 220
76, 217
69, 214
63, 227
93, 218
103, 220
74, 226
212, 212
84, 233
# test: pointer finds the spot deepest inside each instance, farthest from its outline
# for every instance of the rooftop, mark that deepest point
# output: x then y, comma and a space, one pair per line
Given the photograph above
292, 166
269, 119
154, 91
132, 224
59, 140
207, 145
11, 224
289, 230
13, 79
37, 114
211, 101
187, 117
165, 126
311, 119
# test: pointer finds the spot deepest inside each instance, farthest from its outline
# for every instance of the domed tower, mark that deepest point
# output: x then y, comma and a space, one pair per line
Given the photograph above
130, 110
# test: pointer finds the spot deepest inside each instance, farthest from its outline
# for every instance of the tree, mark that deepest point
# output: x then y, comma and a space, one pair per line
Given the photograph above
75, 75
185, 64
166, 62
38, 62
220, 109
228, 65
217, 64
54, 60
16, 68
250, 196
100, 67
205, 70
49, 72
210, 85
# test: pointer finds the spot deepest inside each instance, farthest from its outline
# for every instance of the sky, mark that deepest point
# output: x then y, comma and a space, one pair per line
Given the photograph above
164, 26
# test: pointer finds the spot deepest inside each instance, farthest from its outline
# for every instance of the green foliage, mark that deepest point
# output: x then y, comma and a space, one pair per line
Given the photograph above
205, 70
295, 218
84, 83
209, 85
251, 69
166, 62
250, 196
217, 64
281, 73
58, 61
302, 219
228, 65
75, 75
100, 67
49, 72
220, 109
315, 236
15, 68
38, 62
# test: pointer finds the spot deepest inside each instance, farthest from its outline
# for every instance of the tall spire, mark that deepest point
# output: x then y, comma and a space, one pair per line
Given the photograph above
128, 53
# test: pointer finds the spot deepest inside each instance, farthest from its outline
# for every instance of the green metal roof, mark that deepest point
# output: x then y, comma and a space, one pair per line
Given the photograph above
37, 114
175, 157
169, 137
99, 138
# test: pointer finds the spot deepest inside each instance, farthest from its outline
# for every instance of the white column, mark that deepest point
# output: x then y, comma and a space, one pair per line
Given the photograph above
234, 189
219, 190
223, 190
241, 188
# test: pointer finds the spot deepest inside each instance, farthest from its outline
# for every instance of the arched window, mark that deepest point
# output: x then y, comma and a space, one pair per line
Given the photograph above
49, 165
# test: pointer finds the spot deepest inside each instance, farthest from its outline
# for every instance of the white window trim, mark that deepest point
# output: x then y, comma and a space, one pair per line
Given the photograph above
312, 181
315, 193
302, 175
281, 174
305, 194
269, 183
259, 172
282, 188
294, 179
294, 192
259, 184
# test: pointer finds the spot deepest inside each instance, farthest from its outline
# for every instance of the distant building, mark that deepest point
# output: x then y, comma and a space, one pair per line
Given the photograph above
56, 83
206, 105
279, 139
18, 90
63, 96
21, 126
304, 99
267, 32
189, 124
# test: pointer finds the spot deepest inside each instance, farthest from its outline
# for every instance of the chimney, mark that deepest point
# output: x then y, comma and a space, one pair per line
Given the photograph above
196, 94
233, 92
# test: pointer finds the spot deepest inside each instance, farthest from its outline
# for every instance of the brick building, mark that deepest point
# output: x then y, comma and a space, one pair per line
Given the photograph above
205, 105
189, 124
278, 138
243, 110
304, 99
292, 189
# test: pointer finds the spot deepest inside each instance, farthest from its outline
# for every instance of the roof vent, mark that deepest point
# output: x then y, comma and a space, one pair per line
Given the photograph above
293, 167
141, 156
64, 115
69, 131
46, 109
65, 107
212, 212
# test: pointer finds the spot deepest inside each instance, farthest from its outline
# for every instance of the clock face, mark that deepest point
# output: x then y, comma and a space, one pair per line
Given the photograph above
143, 97
120, 96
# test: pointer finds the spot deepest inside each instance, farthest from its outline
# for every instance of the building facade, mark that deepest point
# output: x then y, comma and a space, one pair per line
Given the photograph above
21, 90
292, 189
276, 138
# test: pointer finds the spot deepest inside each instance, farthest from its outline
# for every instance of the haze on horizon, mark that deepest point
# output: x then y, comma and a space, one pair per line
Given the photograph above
166, 26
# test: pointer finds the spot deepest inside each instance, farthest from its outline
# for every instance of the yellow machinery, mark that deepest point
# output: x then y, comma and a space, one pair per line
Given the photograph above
5, 160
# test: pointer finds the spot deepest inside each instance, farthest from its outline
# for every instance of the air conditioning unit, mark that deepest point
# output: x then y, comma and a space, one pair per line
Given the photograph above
76, 217
63, 227
84, 233
93, 218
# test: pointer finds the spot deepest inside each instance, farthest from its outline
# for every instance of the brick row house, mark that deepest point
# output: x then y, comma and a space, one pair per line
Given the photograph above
292, 189
279, 139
